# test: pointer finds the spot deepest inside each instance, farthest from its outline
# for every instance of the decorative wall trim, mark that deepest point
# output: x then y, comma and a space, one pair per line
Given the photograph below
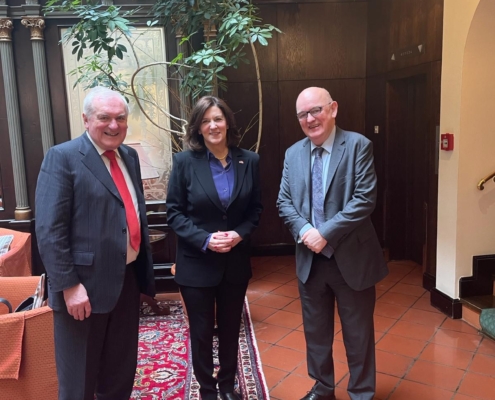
429, 281
36, 24
6, 27
481, 282
450, 307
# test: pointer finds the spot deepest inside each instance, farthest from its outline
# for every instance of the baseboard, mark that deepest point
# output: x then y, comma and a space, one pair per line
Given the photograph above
449, 306
482, 281
429, 281
274, 250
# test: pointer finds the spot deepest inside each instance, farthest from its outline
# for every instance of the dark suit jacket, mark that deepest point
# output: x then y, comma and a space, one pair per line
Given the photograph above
194, 211
81, 225
350, 198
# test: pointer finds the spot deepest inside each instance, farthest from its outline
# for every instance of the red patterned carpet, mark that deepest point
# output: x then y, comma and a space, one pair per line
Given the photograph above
164, 368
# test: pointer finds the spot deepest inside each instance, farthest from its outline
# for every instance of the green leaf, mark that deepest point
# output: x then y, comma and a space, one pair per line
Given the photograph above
262, 41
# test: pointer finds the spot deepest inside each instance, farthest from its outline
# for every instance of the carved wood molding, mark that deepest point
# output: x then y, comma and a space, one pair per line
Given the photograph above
36, 24
6, 27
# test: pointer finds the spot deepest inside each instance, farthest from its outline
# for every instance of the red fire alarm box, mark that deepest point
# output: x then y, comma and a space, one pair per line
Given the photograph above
447, 141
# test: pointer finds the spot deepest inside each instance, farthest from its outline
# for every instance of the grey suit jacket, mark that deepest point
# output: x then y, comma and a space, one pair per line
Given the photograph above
349, 200
81, 225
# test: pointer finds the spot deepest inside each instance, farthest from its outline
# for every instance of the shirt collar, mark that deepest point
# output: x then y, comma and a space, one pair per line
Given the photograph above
327, 144
211, 156
98, 148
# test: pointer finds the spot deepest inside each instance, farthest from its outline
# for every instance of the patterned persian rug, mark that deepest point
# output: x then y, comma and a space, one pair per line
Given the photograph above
164, 368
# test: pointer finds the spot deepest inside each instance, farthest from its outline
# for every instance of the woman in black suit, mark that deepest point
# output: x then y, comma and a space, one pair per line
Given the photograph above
214, 205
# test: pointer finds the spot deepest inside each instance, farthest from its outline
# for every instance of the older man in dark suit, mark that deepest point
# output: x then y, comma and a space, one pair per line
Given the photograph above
327, 194
93, 240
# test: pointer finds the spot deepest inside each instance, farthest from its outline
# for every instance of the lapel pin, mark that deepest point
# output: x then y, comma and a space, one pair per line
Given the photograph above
241, 162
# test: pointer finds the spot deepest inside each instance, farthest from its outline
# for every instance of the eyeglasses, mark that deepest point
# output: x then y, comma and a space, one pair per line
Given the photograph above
314, 112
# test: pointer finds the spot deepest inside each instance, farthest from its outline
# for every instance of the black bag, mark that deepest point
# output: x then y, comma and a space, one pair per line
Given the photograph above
34, 301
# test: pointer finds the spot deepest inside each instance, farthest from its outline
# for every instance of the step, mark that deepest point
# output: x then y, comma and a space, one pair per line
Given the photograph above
472, 306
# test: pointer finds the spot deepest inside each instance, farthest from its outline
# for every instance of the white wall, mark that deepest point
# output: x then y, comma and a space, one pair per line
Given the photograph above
466, 216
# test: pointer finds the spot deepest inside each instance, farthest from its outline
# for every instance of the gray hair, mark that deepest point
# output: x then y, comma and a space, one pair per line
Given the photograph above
102, 93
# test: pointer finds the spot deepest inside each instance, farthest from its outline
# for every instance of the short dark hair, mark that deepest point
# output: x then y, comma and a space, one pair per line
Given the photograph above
193, 139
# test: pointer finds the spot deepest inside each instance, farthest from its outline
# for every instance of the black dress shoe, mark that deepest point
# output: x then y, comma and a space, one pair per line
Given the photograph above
229, 396
315, 396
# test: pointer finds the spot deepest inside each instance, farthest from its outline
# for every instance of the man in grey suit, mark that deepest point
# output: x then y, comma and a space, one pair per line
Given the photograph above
327, 194
93, 240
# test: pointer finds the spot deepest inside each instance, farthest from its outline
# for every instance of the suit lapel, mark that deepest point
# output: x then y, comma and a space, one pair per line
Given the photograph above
92, 160
240, 165
337, 154
130, 163
202, 170
305, 163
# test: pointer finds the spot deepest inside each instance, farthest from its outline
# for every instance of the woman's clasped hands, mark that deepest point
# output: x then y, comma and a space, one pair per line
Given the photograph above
223, 242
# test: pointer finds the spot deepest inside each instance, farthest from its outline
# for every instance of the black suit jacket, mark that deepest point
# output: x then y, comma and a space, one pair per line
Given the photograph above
194, 211
81, 225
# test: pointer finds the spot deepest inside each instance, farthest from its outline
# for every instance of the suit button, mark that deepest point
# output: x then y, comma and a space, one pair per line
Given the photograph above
124, 255
121, 205
124, 230
224, 217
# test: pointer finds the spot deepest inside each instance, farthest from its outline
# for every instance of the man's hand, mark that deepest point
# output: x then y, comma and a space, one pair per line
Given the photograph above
77, 302
223, 242
313, 240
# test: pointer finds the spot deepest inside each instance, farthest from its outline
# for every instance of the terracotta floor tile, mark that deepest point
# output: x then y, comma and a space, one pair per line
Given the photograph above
413, 331
257, 261
397, 299
383, 324
379, 293
339, 351
389, 310
294, 340
447, 355
289, 270
411, 290
271, 265
483, 364
463, 397
294, 307
269, 333
285, 319
282, 358
403, 267
278, 277
337, 327
292, 388
392, 364
408, 390
423, 317
465, 341
273, 376
260, 313
401, 345
262, 346
487, 346
273, 301
384, 285
413, 279
385, 384
253, 295
288, 291
394, 277
458, 325
480, 386
294, 282
378, 336
338, 336
438, 375
263, 286
258, 274
302, 369
423, 303
341, 370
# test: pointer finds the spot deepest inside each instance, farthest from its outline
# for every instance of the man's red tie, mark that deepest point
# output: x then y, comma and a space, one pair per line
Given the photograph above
130, 211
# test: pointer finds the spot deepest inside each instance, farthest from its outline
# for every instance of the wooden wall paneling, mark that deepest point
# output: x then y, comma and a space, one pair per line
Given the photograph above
242, 97
396, 25
56, 78
433, 144
322, 41
376, 116
267, 55
28, 106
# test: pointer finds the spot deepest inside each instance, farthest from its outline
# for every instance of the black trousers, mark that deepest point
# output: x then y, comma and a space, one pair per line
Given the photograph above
324, 286
99, 354
225, 303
